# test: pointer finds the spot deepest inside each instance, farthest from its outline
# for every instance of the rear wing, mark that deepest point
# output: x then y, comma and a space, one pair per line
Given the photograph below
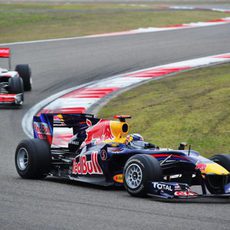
44, 124
5, 53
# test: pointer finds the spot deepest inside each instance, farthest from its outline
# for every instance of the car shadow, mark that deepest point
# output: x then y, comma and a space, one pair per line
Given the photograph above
201, 199
10, 107
83, 184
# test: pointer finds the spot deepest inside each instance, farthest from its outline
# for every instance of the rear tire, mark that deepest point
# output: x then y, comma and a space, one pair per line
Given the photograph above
32, 159
24, 72
138, 171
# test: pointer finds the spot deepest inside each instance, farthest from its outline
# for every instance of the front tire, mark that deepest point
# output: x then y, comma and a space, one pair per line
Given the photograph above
32, 159
215, 183
24, 72
15, 85
138, 171
223, 160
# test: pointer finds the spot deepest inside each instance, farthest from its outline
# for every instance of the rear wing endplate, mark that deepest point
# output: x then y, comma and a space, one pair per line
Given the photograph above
44, 124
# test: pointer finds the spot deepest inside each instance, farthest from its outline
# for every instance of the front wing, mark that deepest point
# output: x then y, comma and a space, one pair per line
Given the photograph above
174, 190
13, 99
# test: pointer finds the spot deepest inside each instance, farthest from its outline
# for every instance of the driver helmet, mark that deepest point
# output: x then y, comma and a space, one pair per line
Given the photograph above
135, 140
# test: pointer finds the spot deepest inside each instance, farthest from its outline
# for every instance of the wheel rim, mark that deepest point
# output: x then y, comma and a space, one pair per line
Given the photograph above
133, 176
22, 158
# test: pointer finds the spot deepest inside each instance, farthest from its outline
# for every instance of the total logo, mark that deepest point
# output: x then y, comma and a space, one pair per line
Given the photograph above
162, 186
84, 166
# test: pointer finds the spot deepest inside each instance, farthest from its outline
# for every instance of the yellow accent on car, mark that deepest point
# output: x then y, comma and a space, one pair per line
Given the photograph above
214, 168
119, 178
119, 130
60, 117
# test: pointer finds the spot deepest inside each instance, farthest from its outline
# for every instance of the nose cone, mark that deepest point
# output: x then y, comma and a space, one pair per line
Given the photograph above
214, 168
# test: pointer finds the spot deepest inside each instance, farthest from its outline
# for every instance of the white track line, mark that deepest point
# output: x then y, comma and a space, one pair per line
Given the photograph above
222, 10
191, 25
85, 97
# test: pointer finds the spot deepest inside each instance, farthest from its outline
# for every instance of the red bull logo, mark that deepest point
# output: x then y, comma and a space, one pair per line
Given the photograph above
84, 166
98, 132
201, 167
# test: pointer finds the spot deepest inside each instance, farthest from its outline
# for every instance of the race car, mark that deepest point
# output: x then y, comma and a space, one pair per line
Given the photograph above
13, 83
84, 148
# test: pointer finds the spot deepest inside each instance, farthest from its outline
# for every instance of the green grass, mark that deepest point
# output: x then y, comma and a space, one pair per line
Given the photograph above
27, 21
193, 107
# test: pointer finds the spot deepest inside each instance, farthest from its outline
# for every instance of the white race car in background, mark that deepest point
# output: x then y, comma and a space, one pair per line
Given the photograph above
13, 83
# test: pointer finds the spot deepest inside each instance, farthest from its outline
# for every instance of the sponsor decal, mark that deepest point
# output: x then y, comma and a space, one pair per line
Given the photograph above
88, 122
42, 131
201, 167
119, 178
103, 154
185, 193
98, 133
74, 142
162, 186
41, 128
84, 166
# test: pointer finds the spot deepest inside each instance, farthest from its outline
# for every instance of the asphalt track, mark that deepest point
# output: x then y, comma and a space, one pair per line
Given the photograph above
49, 204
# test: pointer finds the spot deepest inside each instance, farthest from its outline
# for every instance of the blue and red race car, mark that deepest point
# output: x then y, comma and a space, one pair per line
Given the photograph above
84, 148
13, 83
